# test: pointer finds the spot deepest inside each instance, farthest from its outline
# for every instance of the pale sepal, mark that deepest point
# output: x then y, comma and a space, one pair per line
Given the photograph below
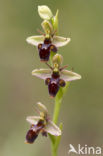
67, 75
59, 41
52, 129
33, 120
42, 73
35, 40
42, 108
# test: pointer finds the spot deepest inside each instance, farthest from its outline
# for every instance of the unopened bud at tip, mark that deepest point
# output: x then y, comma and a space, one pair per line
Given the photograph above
58, 59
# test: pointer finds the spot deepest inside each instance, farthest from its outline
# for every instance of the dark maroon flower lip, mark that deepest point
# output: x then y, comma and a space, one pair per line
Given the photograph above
31, 136
44, 52
54, 83
53, 87
45, 49
34, 131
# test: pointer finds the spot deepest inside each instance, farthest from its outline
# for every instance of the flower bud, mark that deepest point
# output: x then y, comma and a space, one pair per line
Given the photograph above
58, 59
44, 12
46, 25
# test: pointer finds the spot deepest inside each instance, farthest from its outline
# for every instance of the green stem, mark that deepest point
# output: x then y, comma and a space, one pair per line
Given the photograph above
58, 100
57, 110
54, 152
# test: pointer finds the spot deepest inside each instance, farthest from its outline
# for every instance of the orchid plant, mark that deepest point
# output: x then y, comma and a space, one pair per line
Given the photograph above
56, 77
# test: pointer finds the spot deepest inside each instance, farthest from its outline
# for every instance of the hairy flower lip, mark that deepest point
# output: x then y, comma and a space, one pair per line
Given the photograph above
45, 50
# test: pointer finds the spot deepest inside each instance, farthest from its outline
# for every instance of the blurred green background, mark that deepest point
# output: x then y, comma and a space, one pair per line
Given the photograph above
82, 107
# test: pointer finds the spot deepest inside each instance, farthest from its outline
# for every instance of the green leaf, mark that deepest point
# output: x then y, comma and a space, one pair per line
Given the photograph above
35, 40
55, 21
45, 12
52, 138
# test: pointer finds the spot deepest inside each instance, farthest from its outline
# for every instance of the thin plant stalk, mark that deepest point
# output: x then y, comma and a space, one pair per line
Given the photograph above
55, 141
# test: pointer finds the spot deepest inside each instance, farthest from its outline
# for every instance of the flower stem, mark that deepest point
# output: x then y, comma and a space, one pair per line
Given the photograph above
54, 152
58, 101
55, 141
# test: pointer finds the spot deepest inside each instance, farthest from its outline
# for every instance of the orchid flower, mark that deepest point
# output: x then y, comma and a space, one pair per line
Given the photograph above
41, 124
